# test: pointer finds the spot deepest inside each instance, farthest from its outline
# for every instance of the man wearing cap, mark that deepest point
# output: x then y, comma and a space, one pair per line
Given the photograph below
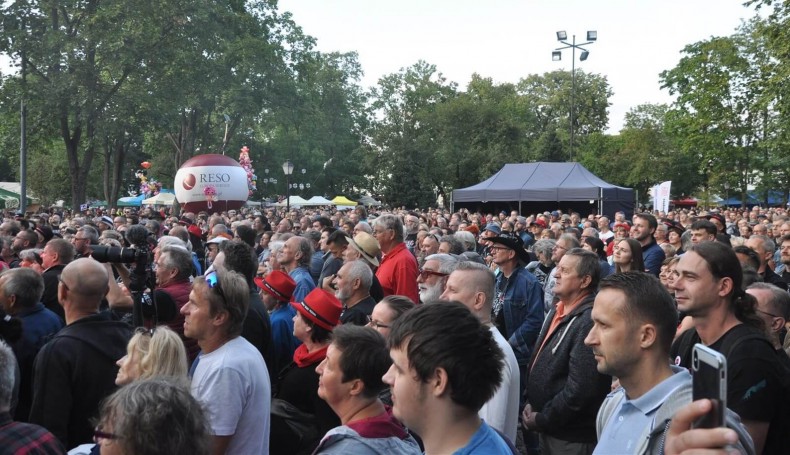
517, 310
44, 234
398, 270
212, 249
364, 246
276, 291
230, 378
105, 223
537, 227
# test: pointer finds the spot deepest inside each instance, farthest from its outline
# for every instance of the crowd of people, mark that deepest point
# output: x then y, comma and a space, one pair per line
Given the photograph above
394, 331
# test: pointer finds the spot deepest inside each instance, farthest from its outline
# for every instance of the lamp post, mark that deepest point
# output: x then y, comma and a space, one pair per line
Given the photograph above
556, 55
288, 168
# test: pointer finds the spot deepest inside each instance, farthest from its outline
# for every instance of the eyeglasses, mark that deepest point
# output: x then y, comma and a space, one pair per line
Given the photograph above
99, 435
559, 247
79, 238
144, 331
497, 248
425, 273
766, 313
212, 280
60, 279
376, 324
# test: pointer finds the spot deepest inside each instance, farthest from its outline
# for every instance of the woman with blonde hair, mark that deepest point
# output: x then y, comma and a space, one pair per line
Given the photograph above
150, 353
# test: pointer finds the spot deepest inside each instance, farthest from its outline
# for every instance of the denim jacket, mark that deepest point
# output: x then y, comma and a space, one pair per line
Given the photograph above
523, 311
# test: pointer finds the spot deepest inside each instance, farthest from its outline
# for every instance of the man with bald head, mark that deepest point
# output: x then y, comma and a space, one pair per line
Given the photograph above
75, 370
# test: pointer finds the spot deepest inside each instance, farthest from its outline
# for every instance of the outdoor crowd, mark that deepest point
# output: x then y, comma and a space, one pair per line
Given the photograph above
390, 332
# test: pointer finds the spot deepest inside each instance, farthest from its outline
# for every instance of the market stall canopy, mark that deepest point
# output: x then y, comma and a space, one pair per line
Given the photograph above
161, 199
534, 183
319, 200
294, 201
130, 201
10, 195
367, 200
342, 200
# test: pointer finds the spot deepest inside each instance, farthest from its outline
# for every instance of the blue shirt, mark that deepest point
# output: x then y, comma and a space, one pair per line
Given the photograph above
623, 431
304, 283
485, 441
283, 339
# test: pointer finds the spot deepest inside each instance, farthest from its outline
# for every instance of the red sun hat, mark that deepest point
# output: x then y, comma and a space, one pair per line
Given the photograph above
277, 284
321, 307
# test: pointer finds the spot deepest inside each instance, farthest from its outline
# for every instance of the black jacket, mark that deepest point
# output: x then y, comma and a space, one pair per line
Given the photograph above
50, 298
74, 372
565, 388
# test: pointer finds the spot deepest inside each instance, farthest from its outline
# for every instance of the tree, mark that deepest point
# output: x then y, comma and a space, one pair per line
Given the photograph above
548, 98
403, 138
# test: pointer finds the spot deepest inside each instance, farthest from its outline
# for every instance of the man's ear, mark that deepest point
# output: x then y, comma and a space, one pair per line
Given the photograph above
439, 382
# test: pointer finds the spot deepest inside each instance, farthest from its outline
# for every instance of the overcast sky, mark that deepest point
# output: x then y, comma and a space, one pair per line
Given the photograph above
510, 39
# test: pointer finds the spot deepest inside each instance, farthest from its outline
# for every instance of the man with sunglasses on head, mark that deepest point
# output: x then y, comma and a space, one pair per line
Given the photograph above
230, 377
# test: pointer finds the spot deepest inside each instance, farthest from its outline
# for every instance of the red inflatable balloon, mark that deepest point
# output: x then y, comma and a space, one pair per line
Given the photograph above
145, 165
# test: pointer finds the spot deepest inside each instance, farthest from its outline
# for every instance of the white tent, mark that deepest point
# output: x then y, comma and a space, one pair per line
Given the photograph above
296, 201
161, 199
319, 200
368, 200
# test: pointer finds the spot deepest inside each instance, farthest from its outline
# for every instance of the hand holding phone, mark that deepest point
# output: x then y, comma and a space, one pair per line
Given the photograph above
709, 373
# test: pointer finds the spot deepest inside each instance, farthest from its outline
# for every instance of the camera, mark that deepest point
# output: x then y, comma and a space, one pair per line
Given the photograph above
114, 254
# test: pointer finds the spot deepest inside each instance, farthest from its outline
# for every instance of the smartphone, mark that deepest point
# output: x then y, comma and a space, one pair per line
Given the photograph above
709, 373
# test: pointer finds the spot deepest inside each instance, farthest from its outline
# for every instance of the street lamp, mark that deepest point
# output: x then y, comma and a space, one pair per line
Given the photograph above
556, 55
288, 168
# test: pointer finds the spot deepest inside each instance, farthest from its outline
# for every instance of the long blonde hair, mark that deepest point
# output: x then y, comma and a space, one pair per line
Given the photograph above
160, 352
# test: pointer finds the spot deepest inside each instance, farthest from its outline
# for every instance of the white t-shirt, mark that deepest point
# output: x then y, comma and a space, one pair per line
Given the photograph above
605, 236
501, 411
233, 384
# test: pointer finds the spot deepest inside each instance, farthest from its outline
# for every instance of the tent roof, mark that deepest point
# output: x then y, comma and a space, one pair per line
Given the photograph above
130, 201
319, 200
342, 200
368, 200
537, 182
161, 199
294, 200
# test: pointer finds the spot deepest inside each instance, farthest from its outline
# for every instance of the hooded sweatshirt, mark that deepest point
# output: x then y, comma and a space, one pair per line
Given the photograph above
74, 372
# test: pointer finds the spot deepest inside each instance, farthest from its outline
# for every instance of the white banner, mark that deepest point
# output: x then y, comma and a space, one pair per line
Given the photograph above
661, 196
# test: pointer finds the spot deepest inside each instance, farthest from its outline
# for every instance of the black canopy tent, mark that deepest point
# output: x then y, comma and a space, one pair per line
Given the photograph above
547, 186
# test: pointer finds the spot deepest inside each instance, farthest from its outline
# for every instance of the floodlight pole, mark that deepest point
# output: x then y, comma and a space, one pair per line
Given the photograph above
573, 46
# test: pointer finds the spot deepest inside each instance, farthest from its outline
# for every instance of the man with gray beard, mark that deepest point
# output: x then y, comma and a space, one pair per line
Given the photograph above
433, 276
352, 284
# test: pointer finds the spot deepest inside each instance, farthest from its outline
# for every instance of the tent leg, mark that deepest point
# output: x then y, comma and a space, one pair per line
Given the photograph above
519, 208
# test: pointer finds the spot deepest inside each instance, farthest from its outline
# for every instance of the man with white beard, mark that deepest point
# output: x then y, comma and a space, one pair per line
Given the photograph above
352, 284
433, 276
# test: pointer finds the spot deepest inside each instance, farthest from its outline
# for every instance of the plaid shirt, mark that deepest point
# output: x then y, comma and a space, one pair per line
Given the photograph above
25, 438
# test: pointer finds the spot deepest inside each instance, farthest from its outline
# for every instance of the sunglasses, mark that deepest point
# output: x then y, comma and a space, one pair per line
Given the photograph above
426, 273
212, 280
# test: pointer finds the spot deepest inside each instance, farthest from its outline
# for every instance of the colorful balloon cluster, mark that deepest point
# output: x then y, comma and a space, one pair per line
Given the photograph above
246, 163
148, 188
